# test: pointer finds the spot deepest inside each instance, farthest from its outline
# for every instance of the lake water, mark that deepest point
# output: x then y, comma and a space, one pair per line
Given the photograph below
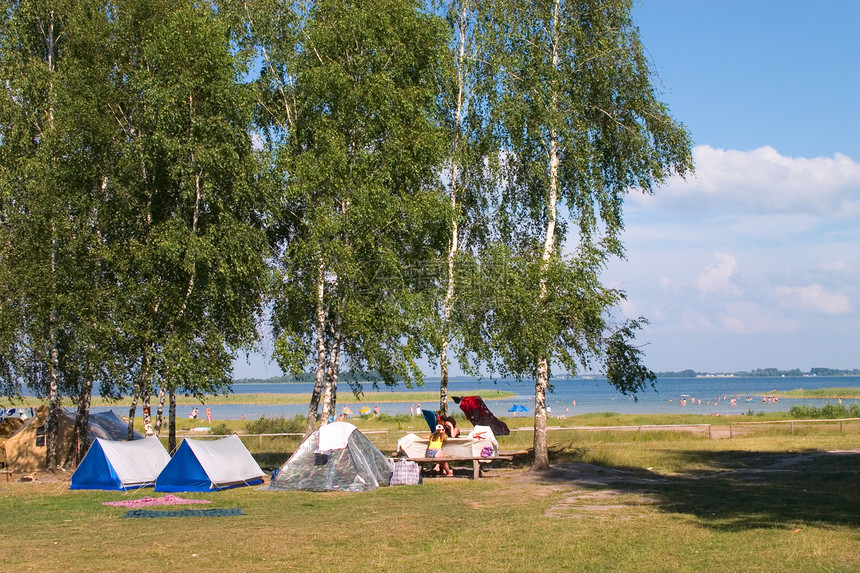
591, 395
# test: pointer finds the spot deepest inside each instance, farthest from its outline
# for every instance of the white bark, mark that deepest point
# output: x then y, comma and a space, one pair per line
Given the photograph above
541, 460
455, 231
313, 407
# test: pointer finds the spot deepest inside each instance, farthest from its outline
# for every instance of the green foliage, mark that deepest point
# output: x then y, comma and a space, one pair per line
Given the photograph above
598, 114
220, 429
828, 411
276, 425
399, 418
359, 211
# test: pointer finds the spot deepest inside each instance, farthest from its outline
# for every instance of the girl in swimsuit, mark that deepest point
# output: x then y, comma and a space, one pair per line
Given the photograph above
434, 449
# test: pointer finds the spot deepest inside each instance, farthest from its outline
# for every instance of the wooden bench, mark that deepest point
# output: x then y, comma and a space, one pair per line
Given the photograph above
476, 462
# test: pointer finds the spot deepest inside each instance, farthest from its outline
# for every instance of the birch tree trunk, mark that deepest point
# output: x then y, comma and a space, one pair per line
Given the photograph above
171, 423
319, 381
132, 410
159, 417
147, 414
80, 442
541, 460
53, 424
330, 402
455, 230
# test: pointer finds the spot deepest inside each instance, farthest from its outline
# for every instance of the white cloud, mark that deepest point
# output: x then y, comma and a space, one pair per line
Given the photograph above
812, 297
752, 318
833, 266
763, 181
717, 277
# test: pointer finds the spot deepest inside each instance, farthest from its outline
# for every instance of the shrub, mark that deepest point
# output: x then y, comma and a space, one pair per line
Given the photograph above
828, 411
220, 429
277, 425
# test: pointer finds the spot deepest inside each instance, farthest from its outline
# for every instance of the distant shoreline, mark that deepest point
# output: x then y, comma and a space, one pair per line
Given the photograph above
692, 374
272, 399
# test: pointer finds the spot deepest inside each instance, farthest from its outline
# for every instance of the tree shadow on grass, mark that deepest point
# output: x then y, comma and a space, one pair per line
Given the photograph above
757, 490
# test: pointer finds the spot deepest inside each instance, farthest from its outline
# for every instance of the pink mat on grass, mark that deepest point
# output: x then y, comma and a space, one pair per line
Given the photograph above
149, 501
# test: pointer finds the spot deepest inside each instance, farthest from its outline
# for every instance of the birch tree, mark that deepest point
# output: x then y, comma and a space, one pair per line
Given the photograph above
52, 151
131, 243
575, 105
190, 253
360, 215
471, 172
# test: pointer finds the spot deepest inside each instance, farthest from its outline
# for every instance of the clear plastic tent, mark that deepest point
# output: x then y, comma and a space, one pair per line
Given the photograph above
355, 466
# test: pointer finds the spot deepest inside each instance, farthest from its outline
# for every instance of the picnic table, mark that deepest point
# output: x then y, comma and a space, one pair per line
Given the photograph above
477, 461
459, 449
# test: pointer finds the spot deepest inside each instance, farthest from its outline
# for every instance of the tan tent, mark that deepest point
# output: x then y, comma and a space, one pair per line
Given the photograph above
26, 451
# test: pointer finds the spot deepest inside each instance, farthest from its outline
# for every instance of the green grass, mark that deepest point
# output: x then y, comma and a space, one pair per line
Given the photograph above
681, 503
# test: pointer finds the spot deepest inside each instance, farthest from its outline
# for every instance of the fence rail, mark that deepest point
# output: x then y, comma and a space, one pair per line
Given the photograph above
792, 423
261, 436
713, 431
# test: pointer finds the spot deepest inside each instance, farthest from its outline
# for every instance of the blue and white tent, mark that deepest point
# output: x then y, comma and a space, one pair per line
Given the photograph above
209, 465
117, 465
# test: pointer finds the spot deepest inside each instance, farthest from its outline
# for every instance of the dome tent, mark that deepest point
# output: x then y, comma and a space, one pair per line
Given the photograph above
336, 457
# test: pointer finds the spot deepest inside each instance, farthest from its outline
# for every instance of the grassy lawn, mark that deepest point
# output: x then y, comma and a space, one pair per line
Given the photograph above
655, 501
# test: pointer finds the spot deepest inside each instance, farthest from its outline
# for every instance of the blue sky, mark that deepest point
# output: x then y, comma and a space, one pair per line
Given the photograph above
754, 261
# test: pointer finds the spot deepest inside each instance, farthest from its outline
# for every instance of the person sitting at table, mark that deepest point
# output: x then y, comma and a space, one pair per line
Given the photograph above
434, 449
450, 426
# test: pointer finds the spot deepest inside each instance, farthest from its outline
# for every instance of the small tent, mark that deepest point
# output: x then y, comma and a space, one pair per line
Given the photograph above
209, 465
26, 450
337, 456
121, 465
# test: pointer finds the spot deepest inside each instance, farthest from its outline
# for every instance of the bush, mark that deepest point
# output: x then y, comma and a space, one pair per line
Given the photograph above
220, 429
278, 425
828, 411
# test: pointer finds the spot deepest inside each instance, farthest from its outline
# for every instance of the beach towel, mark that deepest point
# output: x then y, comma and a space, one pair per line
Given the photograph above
477, 413
183, 513
150, 501
430, 418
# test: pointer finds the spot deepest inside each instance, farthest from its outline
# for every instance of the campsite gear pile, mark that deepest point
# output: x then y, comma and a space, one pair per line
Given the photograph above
336, 457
